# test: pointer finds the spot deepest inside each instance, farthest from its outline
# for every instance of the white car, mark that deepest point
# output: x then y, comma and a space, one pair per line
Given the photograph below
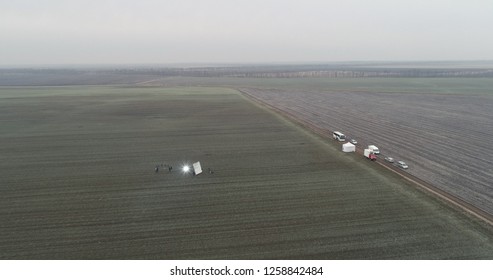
402, 164
389, 159
354, 142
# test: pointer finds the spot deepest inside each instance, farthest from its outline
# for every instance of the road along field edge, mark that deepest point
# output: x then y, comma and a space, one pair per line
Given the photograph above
419, 183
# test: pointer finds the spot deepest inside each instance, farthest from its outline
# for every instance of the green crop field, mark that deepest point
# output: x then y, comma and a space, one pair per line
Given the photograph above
78, 181
482, 86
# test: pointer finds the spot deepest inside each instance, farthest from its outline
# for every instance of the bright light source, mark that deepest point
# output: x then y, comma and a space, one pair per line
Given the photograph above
186, 169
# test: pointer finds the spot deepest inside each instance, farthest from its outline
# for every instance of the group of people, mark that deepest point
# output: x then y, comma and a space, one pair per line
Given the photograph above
156, 169
162, 165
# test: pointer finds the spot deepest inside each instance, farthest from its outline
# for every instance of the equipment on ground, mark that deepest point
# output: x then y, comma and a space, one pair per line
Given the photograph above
197, 169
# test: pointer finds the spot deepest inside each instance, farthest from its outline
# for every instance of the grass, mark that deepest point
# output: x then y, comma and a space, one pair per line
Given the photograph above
78, 182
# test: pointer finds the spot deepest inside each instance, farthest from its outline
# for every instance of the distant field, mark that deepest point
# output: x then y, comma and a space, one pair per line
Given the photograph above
334, 72
482, 86
78, 182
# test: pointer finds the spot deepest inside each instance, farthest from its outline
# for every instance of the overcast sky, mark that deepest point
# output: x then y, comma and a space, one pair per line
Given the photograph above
242, 31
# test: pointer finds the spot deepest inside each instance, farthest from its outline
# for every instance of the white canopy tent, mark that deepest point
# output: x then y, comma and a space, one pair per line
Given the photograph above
348, 148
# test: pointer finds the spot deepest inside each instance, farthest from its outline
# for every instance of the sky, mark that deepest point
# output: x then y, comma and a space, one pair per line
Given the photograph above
58, 32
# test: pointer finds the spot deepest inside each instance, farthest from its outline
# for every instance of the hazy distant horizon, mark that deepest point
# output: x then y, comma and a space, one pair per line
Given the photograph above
335, 64
189, 32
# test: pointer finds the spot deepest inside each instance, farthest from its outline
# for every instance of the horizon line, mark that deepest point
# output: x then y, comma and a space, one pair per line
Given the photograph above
237, 64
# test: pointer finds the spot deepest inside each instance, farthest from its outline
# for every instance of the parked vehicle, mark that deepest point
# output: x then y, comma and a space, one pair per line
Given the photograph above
402, 164
369, 154
374, 148
339, 136
352, 141
389, 159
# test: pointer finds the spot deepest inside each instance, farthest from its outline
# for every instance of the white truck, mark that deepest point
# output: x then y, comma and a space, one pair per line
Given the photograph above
375, 149
370, 154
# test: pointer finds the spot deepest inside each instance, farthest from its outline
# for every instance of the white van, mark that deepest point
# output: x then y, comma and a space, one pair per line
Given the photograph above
339, 136
375, 149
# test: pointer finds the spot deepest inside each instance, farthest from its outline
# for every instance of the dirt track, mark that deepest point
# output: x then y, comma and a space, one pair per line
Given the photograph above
438, 135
